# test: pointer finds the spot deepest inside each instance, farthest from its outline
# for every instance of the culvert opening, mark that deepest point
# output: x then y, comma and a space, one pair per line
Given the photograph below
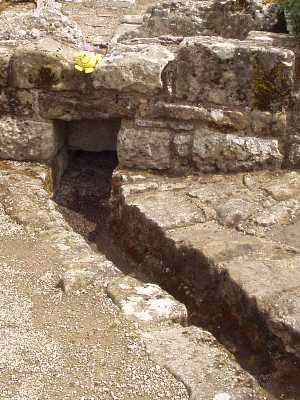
83, 197
84, 189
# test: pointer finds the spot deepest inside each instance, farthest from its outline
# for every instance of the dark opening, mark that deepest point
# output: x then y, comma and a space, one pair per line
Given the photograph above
83, 193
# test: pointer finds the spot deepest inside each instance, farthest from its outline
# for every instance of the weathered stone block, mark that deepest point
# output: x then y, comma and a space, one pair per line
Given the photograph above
94, 135
214, 151
145, 302
47, 65
72, 105
231, 73
248, 122
133, 68
22, 139
193, 18
144, 147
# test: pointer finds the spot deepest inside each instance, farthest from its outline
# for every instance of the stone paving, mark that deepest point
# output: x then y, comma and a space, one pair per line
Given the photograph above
220, 239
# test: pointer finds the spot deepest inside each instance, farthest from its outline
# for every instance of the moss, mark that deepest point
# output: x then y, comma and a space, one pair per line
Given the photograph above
49, 181
270, 87
242, 5
48, 76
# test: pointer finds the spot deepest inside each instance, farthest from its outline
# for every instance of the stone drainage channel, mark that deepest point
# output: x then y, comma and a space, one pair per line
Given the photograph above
83, 199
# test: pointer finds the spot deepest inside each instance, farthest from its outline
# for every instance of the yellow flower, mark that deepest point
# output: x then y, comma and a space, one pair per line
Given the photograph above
86, 61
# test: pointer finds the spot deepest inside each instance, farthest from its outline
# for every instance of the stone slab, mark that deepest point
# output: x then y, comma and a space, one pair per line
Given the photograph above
146, 303
192, 355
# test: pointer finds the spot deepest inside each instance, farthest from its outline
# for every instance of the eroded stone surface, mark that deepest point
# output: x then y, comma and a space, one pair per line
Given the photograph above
231, 73
144, 148
23, 139
46, 20
135, 68
145, 302
184, 350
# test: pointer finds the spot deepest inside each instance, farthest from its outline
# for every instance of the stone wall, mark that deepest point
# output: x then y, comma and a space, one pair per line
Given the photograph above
186, 104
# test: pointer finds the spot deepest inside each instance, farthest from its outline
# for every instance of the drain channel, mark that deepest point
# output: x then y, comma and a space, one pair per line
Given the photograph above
83, 199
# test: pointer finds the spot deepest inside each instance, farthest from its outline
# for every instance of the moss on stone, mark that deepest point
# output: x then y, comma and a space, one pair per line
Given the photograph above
269, 87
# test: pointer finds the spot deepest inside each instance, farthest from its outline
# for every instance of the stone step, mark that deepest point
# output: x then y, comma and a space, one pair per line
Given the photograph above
220, 239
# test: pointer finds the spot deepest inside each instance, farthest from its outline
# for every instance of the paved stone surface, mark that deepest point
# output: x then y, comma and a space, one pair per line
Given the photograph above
225, 236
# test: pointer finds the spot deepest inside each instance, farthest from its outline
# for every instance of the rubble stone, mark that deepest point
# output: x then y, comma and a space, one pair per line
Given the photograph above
39, 23
191, 18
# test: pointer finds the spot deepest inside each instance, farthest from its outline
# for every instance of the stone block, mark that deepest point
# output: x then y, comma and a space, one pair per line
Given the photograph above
6, 52
46, 64
247, 122
192, 18
136, 68
144, 147
146, 303
22, 139
93, 135
231, 73
214, 151
71, 105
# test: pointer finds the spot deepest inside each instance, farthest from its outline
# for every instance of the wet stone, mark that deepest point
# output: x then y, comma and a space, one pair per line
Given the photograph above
145, 302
